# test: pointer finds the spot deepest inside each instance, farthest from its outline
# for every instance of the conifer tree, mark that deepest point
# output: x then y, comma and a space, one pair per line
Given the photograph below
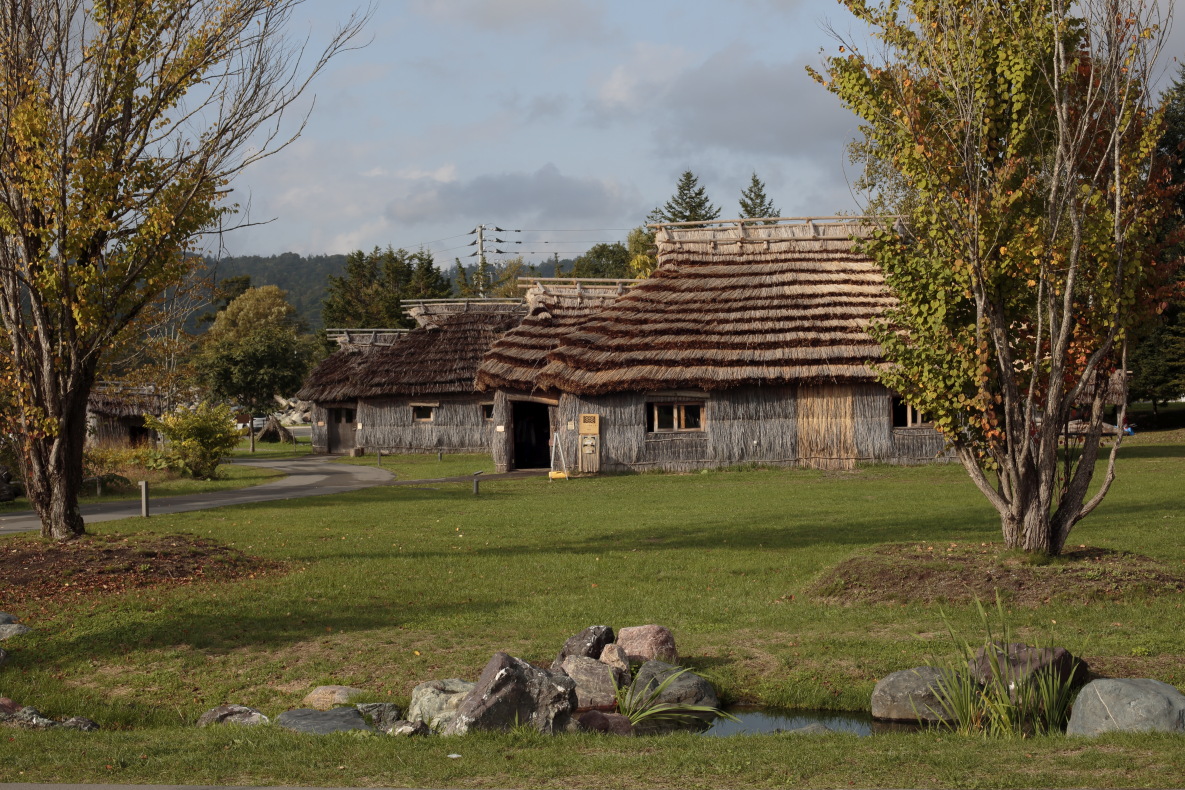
755, 203
689, 203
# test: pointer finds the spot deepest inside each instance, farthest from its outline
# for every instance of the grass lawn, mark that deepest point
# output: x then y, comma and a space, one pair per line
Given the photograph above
230, 477
388, 587
302, 447
426, 466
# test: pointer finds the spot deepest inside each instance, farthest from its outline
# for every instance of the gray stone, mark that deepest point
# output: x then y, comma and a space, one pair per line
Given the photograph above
687, 689
9, 630
510, 693
8, 706
647, 642
616, 657
80, 723
435, 702
594, 682
232, 714
1127, 705
3, 656
326, 697
380, 714
28, 718
323, 722
908, 695
7, 619
1016, 662
588, 643
409, 729
600, 721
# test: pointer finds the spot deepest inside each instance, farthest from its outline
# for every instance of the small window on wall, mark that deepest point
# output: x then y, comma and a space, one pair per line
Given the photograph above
341, 415
674, 417
422, 413
906, 416
487, 412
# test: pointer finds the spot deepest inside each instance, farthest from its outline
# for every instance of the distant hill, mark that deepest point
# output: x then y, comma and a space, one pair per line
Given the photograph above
305, 279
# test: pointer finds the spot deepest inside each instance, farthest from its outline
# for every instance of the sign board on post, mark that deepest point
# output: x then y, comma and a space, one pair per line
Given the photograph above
589, 456
590, 424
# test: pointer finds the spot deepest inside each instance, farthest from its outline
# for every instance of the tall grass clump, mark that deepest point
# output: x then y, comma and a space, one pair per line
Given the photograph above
1004, 704
642, 704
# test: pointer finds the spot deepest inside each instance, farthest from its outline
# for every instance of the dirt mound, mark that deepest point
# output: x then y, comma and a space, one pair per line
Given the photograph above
960, 573
32, 570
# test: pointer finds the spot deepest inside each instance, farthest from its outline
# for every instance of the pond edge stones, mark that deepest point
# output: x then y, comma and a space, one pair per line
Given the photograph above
1127, 705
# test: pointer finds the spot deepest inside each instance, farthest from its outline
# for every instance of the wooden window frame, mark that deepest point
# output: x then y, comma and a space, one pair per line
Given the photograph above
913, 417
679, 416
487, 411
431, 407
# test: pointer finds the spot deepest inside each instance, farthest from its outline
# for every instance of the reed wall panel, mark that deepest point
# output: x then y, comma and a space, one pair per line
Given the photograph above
457, 426
319, 430
920, 445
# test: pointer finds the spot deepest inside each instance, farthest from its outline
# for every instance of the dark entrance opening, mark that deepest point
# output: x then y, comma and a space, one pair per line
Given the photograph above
532, 429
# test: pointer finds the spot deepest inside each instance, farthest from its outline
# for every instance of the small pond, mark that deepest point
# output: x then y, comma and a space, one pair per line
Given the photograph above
761, 721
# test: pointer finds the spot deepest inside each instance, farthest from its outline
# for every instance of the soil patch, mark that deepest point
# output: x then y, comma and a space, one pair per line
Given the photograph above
33, 570
959, 573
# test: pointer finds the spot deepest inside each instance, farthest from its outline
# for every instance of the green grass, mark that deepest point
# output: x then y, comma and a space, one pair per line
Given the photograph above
230, 477
391, 586
425, 466
302, 447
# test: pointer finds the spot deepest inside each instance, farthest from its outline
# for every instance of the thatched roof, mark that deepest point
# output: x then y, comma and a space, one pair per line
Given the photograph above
557, 306
733, 304
123, 401
435, 360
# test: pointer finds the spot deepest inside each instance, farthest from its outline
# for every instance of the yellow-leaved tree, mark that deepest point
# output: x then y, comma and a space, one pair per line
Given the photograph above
122, 123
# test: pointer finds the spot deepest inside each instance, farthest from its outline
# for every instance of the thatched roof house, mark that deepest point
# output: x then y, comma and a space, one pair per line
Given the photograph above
413, 392
115, 413
748, 344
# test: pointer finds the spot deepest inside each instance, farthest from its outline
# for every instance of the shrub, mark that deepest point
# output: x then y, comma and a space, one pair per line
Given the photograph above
198, 437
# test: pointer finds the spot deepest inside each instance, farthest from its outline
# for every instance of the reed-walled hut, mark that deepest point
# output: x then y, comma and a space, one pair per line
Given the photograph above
410, 392
525, 411
115, 414
749, 344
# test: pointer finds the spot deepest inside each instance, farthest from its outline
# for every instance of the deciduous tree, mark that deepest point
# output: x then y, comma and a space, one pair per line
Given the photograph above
122, 123
1026, 139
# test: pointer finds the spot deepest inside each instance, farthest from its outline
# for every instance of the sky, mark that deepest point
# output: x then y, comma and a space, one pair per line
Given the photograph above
563, 122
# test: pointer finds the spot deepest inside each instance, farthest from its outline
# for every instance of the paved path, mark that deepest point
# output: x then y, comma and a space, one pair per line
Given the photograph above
305, 477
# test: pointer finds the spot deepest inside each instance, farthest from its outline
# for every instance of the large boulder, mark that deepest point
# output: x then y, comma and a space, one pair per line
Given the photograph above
647, 642
383, 715
435, 702
616, 657
908, 695
600, 721
323, 722
596, 683
7, 619
511, 693
326, 697
687, 689
589, 643
9, 630
1127, 705
232, 714
1016, 662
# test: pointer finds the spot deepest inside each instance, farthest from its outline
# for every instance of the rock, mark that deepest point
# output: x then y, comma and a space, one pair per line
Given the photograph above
616, 657
908, 695
28, 718
8, 706
1017, 662
647, 642
589, 643
323, 722
594, 682
687, 689
510, 693
325, 697
382, 715
611, 723
232, 714
1127, 705
409, 729
3, 656
7, 619
80, 723
9, 630
435, 702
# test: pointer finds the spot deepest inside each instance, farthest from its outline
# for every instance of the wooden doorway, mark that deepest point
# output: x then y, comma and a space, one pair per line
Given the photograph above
341, 429
532, 434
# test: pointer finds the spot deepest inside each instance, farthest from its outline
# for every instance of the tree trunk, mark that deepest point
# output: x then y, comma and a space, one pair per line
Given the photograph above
53, 471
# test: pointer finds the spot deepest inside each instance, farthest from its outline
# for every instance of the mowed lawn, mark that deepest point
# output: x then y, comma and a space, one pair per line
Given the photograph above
389, 587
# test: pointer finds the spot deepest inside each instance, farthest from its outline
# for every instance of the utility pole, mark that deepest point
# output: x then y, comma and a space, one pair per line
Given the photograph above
481, 261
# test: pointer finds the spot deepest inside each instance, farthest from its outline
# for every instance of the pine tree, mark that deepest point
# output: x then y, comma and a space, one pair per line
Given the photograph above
689, 203
755, 204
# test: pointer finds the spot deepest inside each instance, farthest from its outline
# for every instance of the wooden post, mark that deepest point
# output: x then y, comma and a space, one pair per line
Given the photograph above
378, 461
144, 498
439, 456
476, 483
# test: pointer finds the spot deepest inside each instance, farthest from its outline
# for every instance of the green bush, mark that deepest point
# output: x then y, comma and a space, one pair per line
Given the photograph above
198, 438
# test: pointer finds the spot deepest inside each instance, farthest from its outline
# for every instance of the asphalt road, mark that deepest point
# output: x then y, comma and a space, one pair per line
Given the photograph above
305, 477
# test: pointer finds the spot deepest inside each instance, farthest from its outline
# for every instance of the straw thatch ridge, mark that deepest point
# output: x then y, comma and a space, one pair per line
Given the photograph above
124, 401
556, 309
434, 360
778, 305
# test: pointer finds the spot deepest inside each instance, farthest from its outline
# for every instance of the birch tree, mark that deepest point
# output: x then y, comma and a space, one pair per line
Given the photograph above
1025, 138
122, 125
